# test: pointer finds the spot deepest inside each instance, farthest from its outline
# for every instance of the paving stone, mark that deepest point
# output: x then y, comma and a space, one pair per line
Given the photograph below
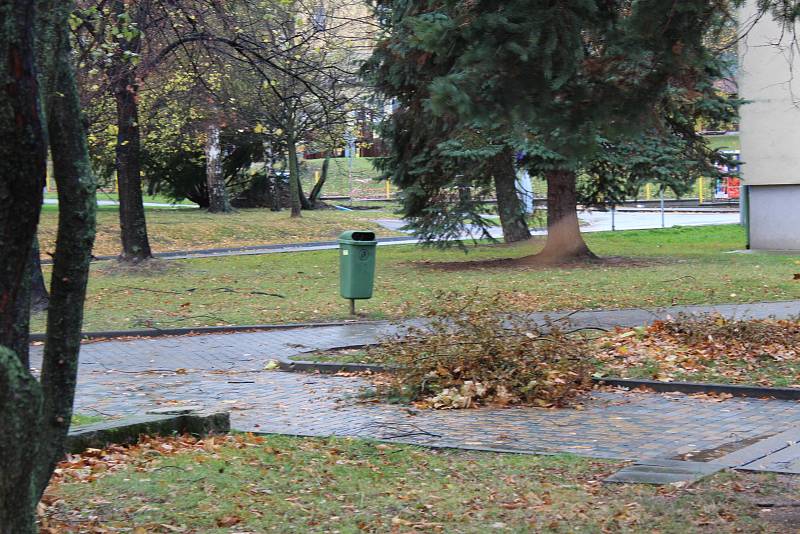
225, 372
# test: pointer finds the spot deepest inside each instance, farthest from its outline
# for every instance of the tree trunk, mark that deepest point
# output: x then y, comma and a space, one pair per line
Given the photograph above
40, 299
20, 410
72, 259
564, 240
22, 165
509, 205
133, 227
304, 202
313, 197
272, 190
23, 156
217, 195
294, 175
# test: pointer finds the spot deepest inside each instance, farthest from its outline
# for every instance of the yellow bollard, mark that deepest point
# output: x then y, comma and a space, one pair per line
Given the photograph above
648, 191
700, 189
316, 177
388, 190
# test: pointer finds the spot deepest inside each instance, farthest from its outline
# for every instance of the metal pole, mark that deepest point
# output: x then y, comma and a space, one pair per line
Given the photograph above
744, 211
700, 190
350, 175
352, 306
662, 207
613, 213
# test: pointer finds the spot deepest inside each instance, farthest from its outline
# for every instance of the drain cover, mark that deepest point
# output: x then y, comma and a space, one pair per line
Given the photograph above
657, 471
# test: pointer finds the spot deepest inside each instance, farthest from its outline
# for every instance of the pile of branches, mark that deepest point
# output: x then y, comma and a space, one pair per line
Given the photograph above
470, 353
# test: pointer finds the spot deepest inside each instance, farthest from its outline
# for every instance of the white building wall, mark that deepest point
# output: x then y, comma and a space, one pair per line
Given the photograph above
769, 77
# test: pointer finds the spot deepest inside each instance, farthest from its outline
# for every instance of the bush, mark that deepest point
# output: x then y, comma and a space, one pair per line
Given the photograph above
470, 353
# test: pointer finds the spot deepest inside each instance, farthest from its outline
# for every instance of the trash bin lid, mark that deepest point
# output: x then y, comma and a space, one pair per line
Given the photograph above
357, 237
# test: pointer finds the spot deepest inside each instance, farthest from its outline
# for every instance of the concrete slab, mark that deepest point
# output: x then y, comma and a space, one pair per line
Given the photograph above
757, 454
659, 472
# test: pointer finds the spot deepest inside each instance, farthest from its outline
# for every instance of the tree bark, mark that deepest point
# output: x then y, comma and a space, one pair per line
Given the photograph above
217, 195
271, 191
22, 166
316, 191
72, 259
39, 299
133, 226
509, 205
294, 175
564, 240
305, 203
20, 410
23, 156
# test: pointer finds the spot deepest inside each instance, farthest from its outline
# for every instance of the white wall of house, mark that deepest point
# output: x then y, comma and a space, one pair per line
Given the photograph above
769, 77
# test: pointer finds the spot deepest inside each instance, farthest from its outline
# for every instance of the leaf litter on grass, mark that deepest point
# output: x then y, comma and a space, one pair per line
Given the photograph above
247, 483
705, 348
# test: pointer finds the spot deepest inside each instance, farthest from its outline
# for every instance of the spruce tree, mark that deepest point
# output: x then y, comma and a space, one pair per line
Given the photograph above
570, 84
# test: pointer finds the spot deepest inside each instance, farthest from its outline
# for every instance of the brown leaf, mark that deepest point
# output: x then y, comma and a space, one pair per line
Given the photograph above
228, 521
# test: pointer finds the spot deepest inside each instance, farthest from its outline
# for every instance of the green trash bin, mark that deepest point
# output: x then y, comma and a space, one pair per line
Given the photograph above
356, 265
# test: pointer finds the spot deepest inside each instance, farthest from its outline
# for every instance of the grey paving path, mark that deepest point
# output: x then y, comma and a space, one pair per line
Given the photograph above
596, 222
107, 202
227, 371
629, 219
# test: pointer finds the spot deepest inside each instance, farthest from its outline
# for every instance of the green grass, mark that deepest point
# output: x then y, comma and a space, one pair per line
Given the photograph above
283, 484
680, 266
724, 142
338, 182
185, 228
79, 419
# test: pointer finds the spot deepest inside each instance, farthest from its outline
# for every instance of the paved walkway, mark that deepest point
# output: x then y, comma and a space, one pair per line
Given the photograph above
107, 202
601, 221
227, 371
596, 222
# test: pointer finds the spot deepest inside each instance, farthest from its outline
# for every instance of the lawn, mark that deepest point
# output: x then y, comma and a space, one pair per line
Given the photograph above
724, 142
676, 266
339, 181
246, 483
185, 228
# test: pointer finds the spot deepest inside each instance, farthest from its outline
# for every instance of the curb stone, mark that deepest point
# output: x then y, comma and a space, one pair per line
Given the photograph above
591, 317
127, 431
243, 250
737, 390
166, 332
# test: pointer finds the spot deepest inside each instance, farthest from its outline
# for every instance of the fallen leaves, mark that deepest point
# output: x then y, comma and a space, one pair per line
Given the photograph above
228, 521
705, 349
